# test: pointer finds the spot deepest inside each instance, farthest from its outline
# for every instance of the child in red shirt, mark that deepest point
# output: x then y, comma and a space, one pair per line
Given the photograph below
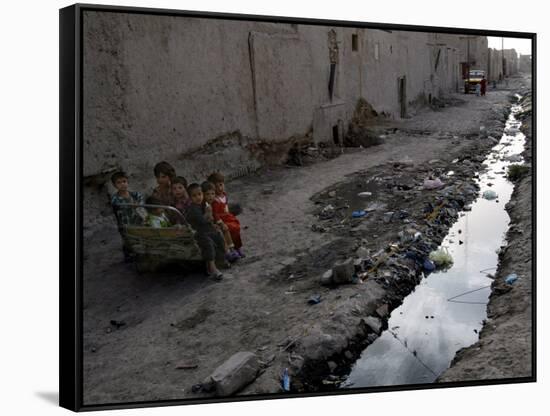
221, 211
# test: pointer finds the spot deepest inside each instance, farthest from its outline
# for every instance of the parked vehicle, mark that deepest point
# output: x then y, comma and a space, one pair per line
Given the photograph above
474, 79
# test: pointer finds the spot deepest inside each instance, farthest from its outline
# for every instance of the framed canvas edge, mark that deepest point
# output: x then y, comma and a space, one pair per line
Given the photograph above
70, 211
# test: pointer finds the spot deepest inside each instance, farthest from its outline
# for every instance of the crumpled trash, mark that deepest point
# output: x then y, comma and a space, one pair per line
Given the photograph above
364, 194
358, 214
489, 195
511, 278
430, 184
375, 206
314, 300
408, 235
327, 212
406, 161
428, 208
402, 214
429, 265
388, 216
441, 258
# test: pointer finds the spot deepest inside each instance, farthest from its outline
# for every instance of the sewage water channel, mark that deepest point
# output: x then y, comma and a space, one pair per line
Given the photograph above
446, 310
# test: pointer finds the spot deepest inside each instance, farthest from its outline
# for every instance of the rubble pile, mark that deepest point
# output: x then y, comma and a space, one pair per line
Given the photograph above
361, 131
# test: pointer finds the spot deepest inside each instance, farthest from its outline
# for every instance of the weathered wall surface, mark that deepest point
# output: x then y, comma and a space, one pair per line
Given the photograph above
494, 64
446, 61
159, 87
525, 64
473, 49
511, 62
156, 86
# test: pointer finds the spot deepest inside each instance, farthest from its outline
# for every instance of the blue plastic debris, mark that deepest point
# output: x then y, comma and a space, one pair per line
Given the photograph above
358, 214
429, 265
511, 278
314, 300
286, 380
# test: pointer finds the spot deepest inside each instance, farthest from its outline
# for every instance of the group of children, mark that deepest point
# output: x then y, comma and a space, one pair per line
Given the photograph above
204, 207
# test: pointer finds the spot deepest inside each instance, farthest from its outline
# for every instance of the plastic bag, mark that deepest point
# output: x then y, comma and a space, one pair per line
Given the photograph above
490, 194
430, 184
441, 258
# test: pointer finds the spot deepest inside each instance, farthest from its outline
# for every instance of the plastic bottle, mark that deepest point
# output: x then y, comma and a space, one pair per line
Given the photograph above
286, 380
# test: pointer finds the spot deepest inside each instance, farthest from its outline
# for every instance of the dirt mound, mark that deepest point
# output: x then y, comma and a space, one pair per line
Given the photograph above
360, 131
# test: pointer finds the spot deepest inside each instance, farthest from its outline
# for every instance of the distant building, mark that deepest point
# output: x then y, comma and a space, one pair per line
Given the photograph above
525, 64
445, 61
494, 64
473, 53
511, 62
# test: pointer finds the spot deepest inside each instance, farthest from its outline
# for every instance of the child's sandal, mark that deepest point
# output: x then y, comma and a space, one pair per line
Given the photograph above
217, 276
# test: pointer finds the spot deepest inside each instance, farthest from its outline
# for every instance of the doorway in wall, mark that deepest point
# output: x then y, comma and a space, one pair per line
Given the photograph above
402, 93
336, 135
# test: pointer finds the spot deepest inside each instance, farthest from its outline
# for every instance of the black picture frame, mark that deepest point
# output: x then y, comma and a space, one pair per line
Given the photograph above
71, 209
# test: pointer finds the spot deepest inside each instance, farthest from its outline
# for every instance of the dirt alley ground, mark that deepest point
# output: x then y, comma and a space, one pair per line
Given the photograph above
261, 306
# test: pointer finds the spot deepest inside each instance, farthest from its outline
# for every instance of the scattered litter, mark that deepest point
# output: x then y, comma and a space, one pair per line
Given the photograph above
318, 228
364, 194
441, 258
117, 324
186, 366
358, 214
362, 252
332, 194
388, 216
402, 214
375, 206
285, 380
326, 278
430, 184
314, 300
327, 212
511, 278
429, 265
490, 195
429, 208
406, 161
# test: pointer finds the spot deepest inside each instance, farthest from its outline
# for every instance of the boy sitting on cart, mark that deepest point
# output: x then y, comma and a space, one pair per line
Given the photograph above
125, 215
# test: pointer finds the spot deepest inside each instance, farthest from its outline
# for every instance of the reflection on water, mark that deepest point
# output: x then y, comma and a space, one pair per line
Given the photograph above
425, 332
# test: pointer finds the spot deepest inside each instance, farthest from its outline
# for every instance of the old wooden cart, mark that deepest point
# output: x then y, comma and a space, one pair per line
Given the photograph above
152, 247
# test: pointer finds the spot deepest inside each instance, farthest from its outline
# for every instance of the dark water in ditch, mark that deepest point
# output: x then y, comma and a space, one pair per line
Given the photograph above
426, 331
